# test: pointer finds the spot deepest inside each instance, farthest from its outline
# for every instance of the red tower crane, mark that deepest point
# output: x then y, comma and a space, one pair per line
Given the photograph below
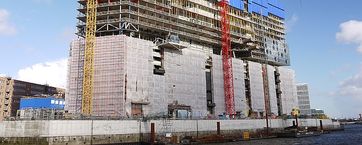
227, 58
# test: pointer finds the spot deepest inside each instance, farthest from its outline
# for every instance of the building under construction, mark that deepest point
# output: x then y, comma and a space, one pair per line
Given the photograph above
165, 57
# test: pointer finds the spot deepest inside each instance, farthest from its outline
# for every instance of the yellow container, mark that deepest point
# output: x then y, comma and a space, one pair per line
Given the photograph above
246, 135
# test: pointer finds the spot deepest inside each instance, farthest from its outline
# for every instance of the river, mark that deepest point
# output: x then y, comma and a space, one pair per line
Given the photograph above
352, 135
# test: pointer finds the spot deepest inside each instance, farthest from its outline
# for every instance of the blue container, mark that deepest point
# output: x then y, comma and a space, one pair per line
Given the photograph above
45, 103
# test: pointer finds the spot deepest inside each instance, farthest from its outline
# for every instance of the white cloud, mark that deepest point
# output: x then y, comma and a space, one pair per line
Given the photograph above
351, 32
352, 86
348, 95
6, 28
2, 75
53, 73
289, 24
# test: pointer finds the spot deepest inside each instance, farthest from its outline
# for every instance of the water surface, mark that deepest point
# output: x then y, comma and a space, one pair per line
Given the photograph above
352, 135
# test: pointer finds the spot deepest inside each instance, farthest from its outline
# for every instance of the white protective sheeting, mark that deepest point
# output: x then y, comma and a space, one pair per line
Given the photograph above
185, 79
139, 72
218, 85
159, 100
256, 87
239, 87
124, 75
288, 87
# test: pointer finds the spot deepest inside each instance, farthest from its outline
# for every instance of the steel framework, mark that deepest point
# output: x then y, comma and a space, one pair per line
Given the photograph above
91, 27
227, 58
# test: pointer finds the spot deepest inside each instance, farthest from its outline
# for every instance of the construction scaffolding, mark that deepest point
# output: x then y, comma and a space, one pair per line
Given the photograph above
196, 21
109, 76
152, 53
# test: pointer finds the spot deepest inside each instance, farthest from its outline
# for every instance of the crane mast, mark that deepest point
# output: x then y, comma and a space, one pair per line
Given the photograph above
227, 58
88, 69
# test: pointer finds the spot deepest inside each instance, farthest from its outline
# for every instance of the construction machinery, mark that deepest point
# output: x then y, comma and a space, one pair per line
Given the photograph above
88, 70
227, 58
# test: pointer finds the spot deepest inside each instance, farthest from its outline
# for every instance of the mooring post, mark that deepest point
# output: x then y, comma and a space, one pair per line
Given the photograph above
153, 134
267, 124
218, 128
321, 124
91, 136
197, 129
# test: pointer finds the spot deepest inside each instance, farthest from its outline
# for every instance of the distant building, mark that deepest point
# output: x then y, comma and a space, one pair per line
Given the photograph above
303, 99
316, 112
41, 108
11, 91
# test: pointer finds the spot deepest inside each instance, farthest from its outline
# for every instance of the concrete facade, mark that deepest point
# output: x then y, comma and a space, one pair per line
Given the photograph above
107, 127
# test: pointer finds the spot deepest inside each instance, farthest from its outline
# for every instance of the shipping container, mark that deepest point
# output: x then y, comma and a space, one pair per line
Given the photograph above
46, 103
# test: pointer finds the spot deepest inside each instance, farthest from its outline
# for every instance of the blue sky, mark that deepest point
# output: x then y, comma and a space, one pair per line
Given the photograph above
323, 37
330, 65
43, 31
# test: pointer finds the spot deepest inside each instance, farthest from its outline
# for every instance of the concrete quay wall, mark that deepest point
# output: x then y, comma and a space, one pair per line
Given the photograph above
117, 131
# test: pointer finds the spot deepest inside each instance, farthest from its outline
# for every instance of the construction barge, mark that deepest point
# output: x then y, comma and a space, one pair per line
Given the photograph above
297, 132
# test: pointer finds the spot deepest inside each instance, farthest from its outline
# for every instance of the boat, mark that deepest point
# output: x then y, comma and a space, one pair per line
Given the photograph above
298, 132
